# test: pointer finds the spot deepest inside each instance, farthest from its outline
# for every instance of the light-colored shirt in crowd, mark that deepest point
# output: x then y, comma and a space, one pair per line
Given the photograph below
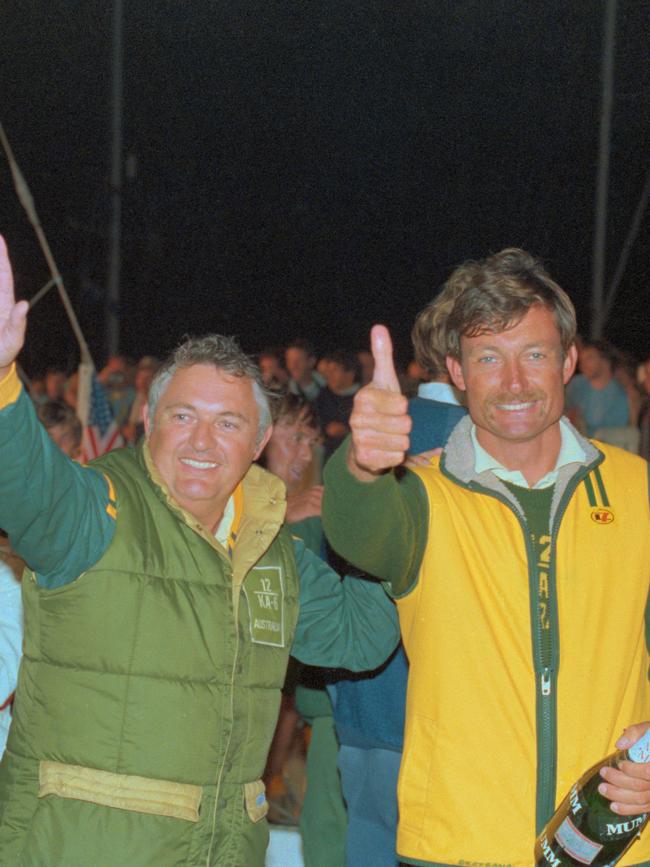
440, 391
11, 640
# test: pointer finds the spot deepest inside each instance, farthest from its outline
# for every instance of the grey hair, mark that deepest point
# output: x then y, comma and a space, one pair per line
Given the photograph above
225, 354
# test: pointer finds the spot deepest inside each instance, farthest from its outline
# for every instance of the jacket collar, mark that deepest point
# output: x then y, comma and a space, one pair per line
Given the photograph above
264, 507
458, 462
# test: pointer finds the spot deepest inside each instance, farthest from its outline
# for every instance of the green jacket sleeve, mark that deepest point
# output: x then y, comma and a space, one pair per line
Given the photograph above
380, 526
349, 623
53, 509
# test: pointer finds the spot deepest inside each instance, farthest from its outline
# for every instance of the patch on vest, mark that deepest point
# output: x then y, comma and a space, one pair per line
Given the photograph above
602, 516
264, 592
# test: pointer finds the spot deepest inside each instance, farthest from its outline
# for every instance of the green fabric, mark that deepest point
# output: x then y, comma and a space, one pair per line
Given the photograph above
323, 819
343, 624
129, 669
310, 530
390, 528
53, 509
312, 702
536, 506
142, 658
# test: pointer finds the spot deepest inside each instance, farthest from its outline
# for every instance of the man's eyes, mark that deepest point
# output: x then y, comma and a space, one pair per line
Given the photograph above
225, 424
535, 355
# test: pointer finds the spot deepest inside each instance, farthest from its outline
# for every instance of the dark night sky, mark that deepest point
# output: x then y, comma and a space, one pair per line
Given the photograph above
310, 168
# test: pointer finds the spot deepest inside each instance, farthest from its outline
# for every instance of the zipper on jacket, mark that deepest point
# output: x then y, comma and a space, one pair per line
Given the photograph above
545, 658
547, 687
545, 650
546, 653
546, 747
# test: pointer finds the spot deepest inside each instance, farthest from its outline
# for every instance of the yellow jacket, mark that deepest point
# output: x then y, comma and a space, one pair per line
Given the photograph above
479, 707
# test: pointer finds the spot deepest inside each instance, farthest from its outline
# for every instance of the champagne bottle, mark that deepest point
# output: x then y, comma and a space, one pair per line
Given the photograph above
583, 829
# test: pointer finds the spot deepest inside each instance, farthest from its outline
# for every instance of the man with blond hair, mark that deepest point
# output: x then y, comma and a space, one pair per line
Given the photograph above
520, 561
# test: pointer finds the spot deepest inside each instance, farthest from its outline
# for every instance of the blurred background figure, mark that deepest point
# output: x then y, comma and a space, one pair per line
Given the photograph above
625, 373
412, 378
72, 389
62, 425
117, 378
145, 372
367, 365
55, 381
321, 366
644, 412
271, 362
300, 361
594, 398
334, 403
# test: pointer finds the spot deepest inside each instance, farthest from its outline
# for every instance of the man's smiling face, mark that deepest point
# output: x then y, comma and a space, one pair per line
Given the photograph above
204, 438
514, 381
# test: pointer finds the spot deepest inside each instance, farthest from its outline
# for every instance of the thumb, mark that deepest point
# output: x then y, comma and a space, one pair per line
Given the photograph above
631, 735
384, 375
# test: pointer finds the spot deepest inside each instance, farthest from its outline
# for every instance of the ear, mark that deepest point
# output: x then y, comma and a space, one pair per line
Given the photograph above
145, 419
569, 363
260, 448
455, 372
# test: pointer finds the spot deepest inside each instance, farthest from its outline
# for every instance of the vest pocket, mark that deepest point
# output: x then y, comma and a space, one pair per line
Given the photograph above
122, 791
255, 798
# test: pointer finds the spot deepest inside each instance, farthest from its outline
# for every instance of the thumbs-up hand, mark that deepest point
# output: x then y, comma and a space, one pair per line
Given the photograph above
13, 316
380, 422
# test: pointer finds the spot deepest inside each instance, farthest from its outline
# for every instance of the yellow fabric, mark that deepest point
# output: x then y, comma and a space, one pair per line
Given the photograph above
124, 792
111, 509
10, 387
255, 798
467, 783
238, 497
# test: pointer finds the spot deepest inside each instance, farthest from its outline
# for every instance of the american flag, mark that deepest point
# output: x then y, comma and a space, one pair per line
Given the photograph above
101, 434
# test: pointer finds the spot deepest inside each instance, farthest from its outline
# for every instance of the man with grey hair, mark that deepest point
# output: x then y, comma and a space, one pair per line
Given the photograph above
520, 560
163, 599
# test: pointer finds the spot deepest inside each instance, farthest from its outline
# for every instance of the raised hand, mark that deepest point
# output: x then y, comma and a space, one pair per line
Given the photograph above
13, 316
380, 422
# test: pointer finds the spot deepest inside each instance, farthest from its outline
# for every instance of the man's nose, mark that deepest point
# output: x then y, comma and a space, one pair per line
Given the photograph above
202, 436
514, 375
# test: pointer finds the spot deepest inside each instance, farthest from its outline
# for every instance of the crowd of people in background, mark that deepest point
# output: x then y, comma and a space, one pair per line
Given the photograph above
611, 388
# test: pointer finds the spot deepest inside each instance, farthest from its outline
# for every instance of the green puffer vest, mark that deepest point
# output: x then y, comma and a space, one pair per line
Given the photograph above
150, 687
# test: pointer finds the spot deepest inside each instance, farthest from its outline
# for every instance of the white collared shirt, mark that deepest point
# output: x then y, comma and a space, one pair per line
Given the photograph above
570, 452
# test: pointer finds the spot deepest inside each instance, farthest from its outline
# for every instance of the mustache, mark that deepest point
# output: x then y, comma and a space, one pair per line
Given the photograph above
526, 397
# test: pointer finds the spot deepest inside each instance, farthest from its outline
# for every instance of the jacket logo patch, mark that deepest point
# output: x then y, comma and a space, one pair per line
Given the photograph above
602, 516
264, 592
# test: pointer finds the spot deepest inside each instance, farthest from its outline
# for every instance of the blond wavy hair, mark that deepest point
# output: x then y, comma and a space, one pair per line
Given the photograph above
491, 295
